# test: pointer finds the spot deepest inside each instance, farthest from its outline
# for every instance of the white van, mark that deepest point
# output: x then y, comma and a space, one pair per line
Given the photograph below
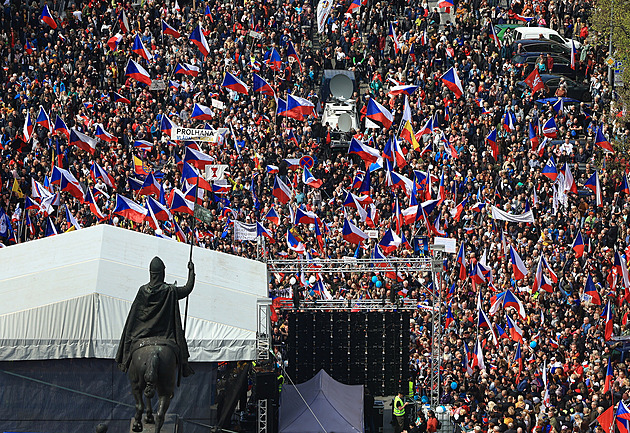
535, 32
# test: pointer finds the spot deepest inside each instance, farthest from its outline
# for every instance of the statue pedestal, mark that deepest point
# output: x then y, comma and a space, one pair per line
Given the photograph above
171, 425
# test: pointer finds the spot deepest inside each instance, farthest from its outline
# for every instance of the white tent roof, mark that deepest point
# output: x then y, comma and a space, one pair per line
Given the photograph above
68, 296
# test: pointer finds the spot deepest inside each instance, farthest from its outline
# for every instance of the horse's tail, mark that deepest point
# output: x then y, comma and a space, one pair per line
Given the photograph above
151, 375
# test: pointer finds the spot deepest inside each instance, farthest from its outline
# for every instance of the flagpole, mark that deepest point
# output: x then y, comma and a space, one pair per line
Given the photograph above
192, 239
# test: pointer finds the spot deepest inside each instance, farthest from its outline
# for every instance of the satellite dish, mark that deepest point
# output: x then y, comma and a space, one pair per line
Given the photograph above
344, 123
341, 87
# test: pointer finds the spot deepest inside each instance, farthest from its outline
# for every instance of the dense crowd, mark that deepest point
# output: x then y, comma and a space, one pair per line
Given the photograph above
71, 72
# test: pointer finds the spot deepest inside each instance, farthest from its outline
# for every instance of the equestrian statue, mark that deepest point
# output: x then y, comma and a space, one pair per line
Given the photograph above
153, 349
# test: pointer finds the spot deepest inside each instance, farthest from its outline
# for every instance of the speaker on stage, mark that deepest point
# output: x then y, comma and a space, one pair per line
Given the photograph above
266, 386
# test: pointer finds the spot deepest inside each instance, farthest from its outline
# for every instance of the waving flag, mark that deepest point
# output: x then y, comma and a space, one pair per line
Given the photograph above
97, 172
129, 209
262, 231
198, 38
446, 4
274, 61
168, 30
578, 245
593, 184
461, 259
166, 126
518, 267
272, 216
392, 34
533, 137
352, 233
491, 140
192, 177
389, 242
186, 69
43, 119
310, 180
591, 291
82, 141
393, 153
179, 203
379, 114
549, 128
493, 35
124, 23
67, 182
451, 80
609, 375
201, 112
550, 169
47, 18
402, 90
292, 54
408, 135
368, 154
294, 244
60, 126
114, 41
281, 191
100, 132
509, 121
233, 83
157, 210
116, 97
608, 321
516, 333
137, 72
297, 108
51, 230
197, 158
600, 140
28, 127
143, 145
534, 81
262, 86
139, 48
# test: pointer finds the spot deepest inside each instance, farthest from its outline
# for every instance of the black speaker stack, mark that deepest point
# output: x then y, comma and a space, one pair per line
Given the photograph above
355, 348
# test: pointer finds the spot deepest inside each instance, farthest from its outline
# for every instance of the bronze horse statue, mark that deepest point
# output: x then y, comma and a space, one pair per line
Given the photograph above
153, 348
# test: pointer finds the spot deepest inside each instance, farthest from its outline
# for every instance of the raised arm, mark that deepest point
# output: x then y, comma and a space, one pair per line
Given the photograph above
183, 291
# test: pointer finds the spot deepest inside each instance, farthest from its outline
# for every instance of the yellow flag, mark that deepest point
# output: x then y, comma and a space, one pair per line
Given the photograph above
16, 189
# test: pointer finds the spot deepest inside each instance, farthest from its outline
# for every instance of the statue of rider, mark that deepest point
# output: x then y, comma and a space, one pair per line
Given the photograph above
154, 318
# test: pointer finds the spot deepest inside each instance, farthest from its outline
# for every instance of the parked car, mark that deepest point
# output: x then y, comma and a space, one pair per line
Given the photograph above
537, 32
575, 90
541, 46
561, 65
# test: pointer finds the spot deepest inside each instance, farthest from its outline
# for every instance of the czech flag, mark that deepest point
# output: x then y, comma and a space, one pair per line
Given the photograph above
47, 18
292, 54
82, 141
493, 36
272, 169
461, 259
518, 267
310, 180
150, 186
352, 233
137, 72
304, 217
451, 80
43, 119
368, 154
51, 230
403, 89
354, 5
446, 4
114, 41
166, 126
392, 34
186, 69
262, 231
274, 61
201, 112
533, 137
272, 216
379, 114
389, 242
67, 182
197, 158
116, 97
449, 317
573, 55
578, 245
97, 172
509, 121
609, 374
549, 128
298, 108
392, 152
28, 47
124, 22
139, 48
491, 140
608, 321
593, 184
601, 141
192, 177
60, 126
281, 191
179, 203
28, 127
168, 30
262, 86
591, 291
516, 333
143, 145
294, 244
233, 83
550, 170
129, 209
104, 135
198, 38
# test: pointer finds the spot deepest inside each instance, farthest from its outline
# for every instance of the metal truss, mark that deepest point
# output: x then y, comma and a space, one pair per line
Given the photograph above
263, 329
351, 264
262, 416
436, 346
353, 304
